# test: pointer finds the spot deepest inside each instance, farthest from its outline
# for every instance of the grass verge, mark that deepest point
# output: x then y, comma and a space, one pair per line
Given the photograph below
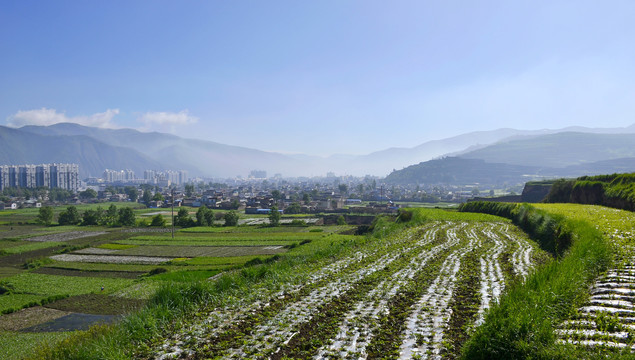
521, 325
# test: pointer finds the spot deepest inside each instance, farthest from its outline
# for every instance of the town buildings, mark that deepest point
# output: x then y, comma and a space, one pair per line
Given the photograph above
64, 176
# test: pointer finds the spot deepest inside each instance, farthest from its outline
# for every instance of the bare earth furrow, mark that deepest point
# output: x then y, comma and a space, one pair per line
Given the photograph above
427, 322
360, 323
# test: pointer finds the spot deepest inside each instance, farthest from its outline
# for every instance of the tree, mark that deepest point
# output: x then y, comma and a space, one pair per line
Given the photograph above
126, 217
341, 220
276, 195
306, 198
231, 218
45, 215
235, 204
88, 194
132, 193
183, 218
189, 190
158, 197
111, 217
274, 217
294, 208
92, 217
158, 220
70, 216
204, 216
147, 197
343, 188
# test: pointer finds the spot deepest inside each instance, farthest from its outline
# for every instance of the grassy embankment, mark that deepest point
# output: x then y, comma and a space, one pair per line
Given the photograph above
617, 190
521, 325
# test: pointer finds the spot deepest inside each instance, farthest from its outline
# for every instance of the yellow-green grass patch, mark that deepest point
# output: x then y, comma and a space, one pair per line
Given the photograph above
116, 246
195, 251
49, 285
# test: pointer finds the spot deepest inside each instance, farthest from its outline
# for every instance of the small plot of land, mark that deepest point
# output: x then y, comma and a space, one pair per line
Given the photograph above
73, 322
29, 317
195, 251
80, 273
113, 259
98, 304
65, 236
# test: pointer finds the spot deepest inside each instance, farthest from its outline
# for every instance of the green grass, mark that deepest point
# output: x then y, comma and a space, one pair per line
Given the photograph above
259, 230
84, 266
115, 246
16, 345
205, 242
186, 275
24, 246
194, 251
521, 325
17, 301
47, 285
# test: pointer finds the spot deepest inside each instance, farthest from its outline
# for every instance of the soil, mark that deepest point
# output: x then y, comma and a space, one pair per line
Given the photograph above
97, 304
18, 260
65, 236
80, 273
73, 322
26, 318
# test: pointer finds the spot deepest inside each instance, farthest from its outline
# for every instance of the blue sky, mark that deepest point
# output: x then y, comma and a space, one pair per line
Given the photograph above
318, 77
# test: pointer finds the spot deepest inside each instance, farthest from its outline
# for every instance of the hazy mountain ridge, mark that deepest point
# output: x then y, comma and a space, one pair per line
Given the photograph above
129, 148
21, 147
519, 159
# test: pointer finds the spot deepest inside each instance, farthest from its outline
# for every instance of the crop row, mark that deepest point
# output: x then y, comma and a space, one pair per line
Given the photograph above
394, 298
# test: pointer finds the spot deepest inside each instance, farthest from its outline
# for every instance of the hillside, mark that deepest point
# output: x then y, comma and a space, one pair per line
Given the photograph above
20, 147
558, 150
454, 170
526, 158
536, 152
199, 157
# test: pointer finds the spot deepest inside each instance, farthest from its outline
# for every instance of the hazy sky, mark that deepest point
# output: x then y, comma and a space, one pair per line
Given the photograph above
318, 77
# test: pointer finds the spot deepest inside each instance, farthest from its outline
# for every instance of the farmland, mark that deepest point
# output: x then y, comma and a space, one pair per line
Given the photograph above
396, 298
55, 279
605, 320
432, 284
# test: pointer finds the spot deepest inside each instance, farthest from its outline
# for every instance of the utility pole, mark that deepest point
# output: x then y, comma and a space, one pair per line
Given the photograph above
172, 213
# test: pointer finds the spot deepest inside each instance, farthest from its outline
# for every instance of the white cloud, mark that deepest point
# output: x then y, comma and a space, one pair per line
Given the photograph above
166, 121
46, 116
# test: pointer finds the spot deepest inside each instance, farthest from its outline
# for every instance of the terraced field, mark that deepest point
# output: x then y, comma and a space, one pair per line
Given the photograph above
607, 319
416, 294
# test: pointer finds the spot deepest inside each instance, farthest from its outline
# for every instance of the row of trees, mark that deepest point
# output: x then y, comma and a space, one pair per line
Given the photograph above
112, 216
204, 217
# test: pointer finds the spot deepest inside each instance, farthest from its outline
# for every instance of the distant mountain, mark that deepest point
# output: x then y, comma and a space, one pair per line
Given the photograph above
568, 154
455, 171
382, 162
21, 147
199, 157
558, 150
128, 148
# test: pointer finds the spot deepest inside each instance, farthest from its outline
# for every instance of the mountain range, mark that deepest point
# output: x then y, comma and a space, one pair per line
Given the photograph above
96, 149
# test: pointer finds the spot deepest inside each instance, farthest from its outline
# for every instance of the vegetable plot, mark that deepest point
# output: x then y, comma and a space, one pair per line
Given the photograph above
414, 295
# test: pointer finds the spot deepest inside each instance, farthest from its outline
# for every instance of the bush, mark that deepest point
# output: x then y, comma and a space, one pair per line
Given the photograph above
231, 218
157, 271
158, 220
298, 222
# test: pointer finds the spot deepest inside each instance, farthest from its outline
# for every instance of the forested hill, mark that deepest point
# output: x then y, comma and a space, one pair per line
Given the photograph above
455, 170
617, 190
